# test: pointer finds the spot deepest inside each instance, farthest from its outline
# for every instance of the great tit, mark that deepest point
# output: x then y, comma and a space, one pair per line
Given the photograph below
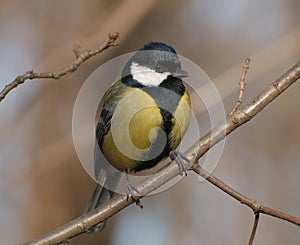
142, 119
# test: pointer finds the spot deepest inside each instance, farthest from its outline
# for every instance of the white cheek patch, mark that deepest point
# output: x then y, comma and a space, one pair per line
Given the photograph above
147, 76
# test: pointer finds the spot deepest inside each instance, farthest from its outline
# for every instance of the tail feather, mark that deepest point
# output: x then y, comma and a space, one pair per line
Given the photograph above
108, 179
107, 182
99, 197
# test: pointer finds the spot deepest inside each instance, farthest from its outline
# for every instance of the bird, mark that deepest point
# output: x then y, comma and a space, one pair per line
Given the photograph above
141, 120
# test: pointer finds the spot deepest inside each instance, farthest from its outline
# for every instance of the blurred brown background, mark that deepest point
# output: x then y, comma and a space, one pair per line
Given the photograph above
42, 183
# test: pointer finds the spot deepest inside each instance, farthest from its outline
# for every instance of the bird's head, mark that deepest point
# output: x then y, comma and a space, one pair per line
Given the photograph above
153, 63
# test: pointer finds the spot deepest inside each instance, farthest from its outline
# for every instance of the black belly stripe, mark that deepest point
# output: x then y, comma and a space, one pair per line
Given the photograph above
166, 97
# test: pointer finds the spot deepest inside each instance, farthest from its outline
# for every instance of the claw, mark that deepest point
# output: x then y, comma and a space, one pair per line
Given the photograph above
181, 160
130, 192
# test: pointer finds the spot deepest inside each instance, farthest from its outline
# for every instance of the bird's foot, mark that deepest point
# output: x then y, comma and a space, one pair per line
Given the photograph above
181, 160
132, 192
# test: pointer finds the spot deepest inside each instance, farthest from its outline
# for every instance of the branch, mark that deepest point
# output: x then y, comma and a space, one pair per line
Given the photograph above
241, 116
242, 86
254, 228
254, 205
81, 56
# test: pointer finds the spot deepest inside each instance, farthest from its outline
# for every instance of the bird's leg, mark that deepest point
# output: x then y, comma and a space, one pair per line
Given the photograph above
181, 160
130, 189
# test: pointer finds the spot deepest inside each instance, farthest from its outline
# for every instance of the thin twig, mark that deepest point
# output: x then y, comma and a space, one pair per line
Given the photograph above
81, 56
242, 84
241, 116
254, 228
254, 205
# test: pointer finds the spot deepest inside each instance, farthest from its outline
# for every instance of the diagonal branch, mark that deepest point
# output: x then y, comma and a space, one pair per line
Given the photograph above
81, 56
254, 205
239, 117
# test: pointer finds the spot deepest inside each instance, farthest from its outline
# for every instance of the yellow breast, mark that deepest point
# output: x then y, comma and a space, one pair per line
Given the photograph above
134, 126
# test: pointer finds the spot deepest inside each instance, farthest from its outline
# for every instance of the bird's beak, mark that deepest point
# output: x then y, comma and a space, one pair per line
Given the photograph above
180, 73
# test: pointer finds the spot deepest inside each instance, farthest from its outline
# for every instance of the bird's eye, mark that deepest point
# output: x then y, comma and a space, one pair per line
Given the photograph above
159, 68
